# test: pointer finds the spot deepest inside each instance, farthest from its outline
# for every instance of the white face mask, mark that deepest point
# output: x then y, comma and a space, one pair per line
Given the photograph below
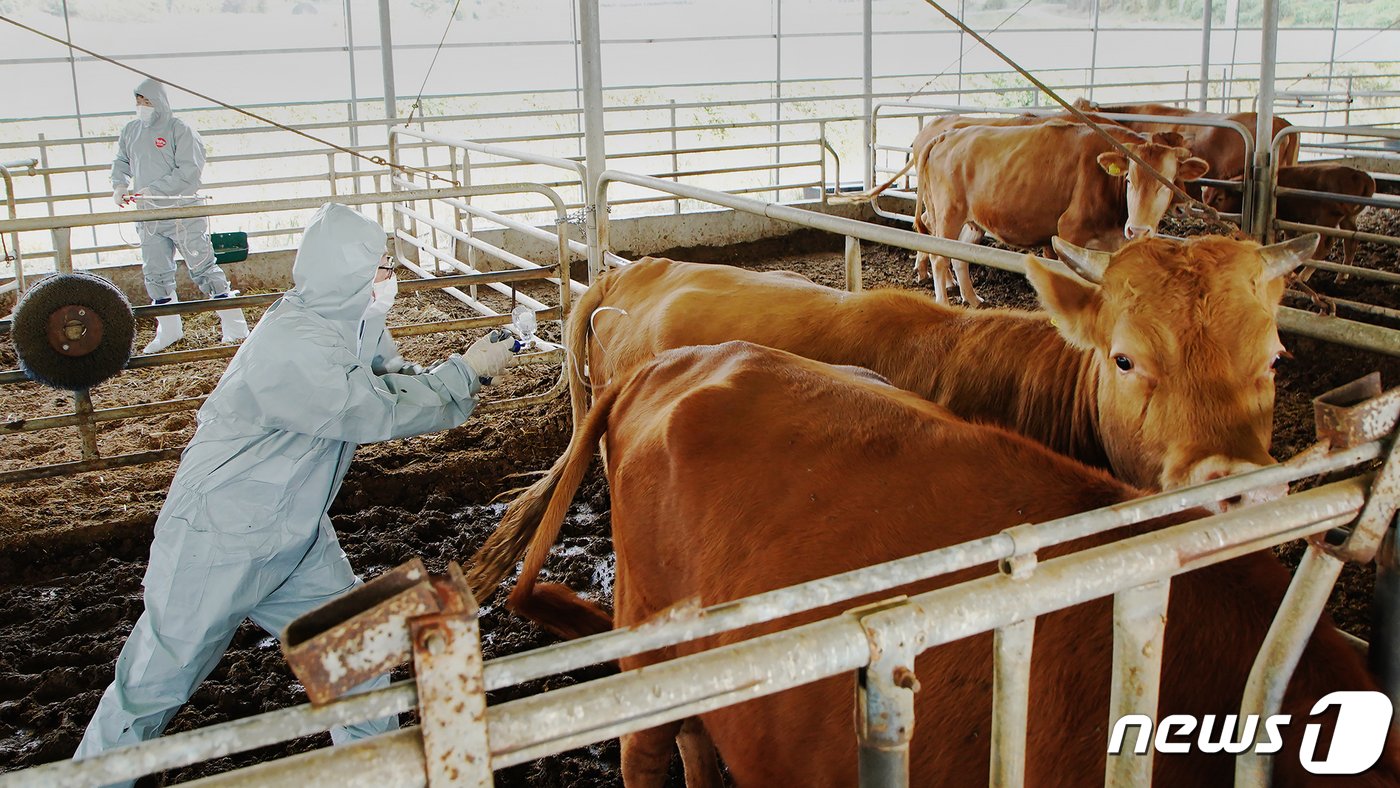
382, 298
146, 114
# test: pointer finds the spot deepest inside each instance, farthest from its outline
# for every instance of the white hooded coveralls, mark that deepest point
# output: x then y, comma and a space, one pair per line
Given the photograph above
244, 531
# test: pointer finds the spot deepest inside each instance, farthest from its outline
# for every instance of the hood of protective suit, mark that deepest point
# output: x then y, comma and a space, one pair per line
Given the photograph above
334, 269
154, 92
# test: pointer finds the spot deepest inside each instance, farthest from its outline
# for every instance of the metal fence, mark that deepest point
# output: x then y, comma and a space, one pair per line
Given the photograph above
775, 138
86, 419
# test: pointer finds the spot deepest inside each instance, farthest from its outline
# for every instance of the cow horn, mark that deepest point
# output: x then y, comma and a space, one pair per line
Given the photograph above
1089, 264
1282, 258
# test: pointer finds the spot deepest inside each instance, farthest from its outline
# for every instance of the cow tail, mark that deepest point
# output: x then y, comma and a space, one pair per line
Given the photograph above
878, 190
1288, 152
576, 333
529, 527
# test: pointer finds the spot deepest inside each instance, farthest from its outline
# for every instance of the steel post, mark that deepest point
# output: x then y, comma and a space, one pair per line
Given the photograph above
386, 59
1011, 688
1385, 619
885, 707
1261, 213
1283, 646
1139, 626
452, 696
594, 127
63, 250
868, 87
87, 427
1205, 54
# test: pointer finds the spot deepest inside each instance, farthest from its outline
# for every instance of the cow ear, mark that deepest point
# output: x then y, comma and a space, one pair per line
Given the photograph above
1191, 169
1073, 303
1171, 139
1114, 163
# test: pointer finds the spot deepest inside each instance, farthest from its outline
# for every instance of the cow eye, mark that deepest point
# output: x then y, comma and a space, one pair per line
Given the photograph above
1123, 362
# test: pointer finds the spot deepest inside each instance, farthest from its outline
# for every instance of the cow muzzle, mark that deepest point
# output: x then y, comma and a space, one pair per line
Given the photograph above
1133, 232
1218, 467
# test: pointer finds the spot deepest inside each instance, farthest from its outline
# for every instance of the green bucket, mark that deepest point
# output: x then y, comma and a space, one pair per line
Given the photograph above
230, 247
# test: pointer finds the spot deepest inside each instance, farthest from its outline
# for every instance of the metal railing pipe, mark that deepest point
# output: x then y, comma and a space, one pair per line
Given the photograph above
1377, 339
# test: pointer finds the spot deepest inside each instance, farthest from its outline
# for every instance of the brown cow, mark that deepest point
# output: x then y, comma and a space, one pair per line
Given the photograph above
1023, 185
1158, 365
923, 141
935, 128
737, 469
1333, 178
1221, 148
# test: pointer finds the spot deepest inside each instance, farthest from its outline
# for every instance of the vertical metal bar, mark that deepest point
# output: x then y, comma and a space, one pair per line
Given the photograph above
353, 107
777, 95
1094, 51
473, 257
452, 698
87, 428
1283, 646
14, 237
386, 59
1332, 59
63, 249
594, 127
868, 86
885, 712
854, 278
330, 171
1385, 618
1261, 226
432, 204
578, 86
394, 207
78, 116
675, 158
1139, 624
962, 14
1206, 21
1011, 687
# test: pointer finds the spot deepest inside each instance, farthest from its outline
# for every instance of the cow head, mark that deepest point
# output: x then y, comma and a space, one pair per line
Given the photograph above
1183, 343
1223, 200
1148, 198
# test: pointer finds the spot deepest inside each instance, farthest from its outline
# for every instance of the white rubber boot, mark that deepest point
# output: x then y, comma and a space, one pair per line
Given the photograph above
235, 327
169, 330
231, 322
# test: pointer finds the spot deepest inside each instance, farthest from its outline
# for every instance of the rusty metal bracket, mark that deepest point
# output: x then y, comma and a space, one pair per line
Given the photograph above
1349, 416
452, 690
405, 613
363, 634
1356, 413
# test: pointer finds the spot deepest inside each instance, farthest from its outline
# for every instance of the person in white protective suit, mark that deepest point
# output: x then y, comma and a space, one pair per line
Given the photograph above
158, 164
244, 532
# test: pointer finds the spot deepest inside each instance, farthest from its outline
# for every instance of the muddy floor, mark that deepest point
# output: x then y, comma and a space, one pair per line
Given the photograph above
72, 552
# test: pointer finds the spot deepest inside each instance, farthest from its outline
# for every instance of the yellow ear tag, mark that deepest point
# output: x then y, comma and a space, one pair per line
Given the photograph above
1115, 170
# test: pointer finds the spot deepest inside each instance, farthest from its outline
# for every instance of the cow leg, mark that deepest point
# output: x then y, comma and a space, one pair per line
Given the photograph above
971, 234
698, 756
950, 222
1349, 245
646, 755
923, 221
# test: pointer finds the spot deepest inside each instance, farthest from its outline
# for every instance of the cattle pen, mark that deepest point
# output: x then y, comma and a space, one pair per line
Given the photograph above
549, 143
